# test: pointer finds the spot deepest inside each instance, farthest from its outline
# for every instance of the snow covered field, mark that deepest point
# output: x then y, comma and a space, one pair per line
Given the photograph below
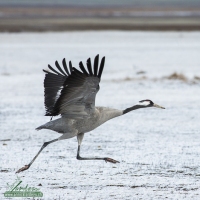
158, 150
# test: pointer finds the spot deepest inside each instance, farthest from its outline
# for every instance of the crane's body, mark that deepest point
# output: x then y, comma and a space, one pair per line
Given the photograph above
72, 127
71, 93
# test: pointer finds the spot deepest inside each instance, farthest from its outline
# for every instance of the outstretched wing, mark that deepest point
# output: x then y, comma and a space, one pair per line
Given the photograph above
72, 93
53, 84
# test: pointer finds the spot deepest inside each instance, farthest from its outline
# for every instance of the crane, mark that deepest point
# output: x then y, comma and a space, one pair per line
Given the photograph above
71, 93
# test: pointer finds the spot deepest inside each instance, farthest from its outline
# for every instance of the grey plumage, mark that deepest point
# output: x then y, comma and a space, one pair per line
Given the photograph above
71, 93
67, 125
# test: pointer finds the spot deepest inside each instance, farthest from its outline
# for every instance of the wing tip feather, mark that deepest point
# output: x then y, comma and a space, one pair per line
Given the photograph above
101, 67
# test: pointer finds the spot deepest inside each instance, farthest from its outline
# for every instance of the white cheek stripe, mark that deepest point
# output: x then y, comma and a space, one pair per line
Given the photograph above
145, 103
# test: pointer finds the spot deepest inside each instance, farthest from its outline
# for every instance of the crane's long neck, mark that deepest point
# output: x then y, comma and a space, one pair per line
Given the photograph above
135, 107
106, 114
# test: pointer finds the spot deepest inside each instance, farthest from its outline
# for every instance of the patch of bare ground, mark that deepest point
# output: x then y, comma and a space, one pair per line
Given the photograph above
197, 78
4, 140
176, 76
134, 186
4, 171
181, 77
116, 185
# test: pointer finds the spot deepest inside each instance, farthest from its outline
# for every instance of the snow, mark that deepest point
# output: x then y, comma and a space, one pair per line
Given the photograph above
158, 149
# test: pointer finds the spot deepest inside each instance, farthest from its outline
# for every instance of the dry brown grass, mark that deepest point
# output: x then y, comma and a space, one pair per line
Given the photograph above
172, 77
176, 76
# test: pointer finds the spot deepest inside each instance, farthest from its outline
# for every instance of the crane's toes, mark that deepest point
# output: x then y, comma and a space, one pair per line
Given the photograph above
23, 169
111, 160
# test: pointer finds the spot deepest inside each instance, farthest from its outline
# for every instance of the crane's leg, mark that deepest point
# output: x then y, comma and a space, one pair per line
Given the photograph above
80, 138
43, 146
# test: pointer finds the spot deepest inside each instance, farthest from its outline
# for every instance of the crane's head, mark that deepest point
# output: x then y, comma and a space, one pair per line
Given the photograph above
149, 103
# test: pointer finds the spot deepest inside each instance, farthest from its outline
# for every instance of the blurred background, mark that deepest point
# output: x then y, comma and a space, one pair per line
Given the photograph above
64, 15
152, 50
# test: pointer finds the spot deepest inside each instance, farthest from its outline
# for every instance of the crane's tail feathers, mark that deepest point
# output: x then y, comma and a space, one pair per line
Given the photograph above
40, 127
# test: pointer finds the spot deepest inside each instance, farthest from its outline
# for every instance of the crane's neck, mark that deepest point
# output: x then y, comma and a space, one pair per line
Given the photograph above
104, 114
135, 107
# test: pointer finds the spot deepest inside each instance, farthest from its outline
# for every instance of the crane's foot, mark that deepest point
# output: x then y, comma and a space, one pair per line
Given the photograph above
23, 169
111, 160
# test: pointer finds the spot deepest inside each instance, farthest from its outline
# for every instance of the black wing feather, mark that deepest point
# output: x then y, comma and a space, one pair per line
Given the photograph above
47, 72
65, 66
52, 84
52, 69
101, 67
83, 68
89, 66
59, 68
77, 71
96, 63
70, 66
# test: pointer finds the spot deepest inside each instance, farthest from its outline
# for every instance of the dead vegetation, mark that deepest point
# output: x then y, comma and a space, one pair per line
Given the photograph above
181, 77
172, 77
176, 76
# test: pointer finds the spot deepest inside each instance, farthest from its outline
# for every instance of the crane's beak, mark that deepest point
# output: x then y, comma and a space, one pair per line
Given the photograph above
157, 106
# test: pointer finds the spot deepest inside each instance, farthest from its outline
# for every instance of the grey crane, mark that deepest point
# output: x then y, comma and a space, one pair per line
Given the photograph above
71, 93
